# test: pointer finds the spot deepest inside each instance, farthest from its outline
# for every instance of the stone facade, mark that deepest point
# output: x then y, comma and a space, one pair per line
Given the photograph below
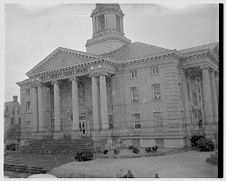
122, 93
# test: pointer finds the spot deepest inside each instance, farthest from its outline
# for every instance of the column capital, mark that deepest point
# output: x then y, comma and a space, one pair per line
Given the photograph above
36, 84
204, 67
73, 78
54, 82
97, 74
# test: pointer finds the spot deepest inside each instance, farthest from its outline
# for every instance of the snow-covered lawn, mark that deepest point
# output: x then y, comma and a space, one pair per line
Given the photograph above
191, 164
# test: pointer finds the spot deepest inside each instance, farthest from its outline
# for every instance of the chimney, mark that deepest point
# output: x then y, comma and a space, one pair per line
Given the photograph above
15, 98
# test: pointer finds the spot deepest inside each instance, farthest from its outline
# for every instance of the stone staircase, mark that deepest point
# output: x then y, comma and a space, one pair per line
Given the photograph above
58, 146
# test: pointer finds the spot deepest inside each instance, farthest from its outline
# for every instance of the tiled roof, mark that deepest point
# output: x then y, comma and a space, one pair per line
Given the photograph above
136, 50
209, 47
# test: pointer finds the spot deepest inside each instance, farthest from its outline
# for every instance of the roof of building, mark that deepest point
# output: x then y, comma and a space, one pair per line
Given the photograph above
209, 47
136, 50
11, 103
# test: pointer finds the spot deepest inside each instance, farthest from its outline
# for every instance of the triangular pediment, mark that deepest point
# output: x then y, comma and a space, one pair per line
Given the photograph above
60, 58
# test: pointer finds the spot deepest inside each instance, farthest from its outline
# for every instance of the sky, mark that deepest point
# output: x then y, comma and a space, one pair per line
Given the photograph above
33, 32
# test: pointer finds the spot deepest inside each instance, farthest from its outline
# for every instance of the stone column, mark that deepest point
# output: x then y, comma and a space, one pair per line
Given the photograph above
121, 25
93, 22
184, 97
75, 106
57, 120
214, 96
40, 109
95, 103
34, 110
208, 106
103, 102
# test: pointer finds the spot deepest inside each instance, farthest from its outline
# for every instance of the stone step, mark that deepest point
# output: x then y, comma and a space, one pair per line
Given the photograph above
22, 168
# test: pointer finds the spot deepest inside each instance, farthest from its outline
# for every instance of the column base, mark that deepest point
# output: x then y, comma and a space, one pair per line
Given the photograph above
58, 135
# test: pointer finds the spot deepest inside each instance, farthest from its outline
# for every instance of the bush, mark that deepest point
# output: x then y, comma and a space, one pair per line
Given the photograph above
205, 144
105, 152
84, 155
131, 147
148, 149
195, 139
116, 151
154, 148
136, 150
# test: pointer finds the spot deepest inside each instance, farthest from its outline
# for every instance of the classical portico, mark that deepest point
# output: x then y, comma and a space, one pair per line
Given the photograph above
204, 75
93, 76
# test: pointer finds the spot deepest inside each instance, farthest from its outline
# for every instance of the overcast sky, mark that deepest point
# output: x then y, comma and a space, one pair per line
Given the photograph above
33, 32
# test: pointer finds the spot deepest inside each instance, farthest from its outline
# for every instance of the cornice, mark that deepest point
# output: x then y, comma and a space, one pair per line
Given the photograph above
152, 57
106, 37
61, 50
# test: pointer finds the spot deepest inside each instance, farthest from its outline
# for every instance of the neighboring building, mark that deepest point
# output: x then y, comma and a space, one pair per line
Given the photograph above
12, 117
121, 92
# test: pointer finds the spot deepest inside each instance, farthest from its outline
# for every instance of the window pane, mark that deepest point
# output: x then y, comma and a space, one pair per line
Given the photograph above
136, 119
156, 91
154, 70
134, 94
133, 73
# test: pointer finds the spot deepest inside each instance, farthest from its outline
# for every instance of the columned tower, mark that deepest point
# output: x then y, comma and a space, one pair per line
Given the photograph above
108, 32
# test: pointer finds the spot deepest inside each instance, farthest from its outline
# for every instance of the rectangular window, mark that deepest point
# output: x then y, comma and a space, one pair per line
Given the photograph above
136, 119
156, 91
27, 92
28, 106
158, 120
133, 74
28, 124
11, 121
82, 116
154, 70
134, 94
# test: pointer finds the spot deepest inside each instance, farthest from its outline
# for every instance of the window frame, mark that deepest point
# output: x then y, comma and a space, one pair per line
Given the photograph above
133, 74
28, 92
155, 70
134, 97
157, 121
28, 106
154, 92
136, 121
28, 124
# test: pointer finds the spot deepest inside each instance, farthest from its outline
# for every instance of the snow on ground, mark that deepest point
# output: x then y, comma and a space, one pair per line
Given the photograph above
191, 164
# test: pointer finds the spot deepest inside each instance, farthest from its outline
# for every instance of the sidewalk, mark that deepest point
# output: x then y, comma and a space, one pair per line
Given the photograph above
191, 164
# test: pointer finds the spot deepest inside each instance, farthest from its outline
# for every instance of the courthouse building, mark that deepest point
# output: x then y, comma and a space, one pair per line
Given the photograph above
120, 91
